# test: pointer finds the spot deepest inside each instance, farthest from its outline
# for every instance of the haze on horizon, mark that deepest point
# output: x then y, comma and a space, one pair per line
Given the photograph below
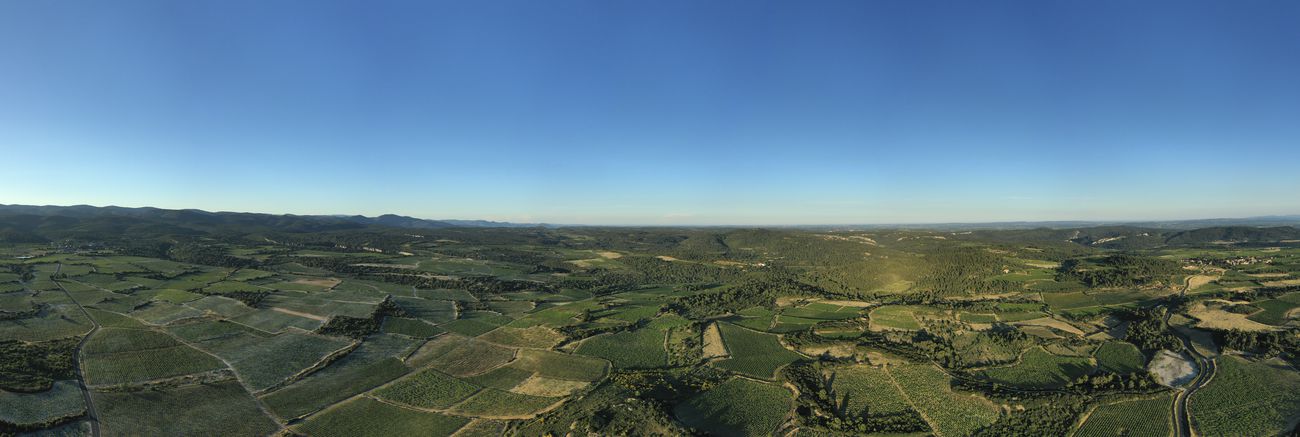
677, 112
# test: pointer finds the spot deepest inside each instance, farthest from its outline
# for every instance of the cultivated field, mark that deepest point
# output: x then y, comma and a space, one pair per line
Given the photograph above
738, 407
257, 330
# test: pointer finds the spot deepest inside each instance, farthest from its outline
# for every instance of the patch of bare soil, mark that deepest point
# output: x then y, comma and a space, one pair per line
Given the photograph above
319, 282
849, 303
538, 385
1171, 369
299, 313
836, 350
1049, 322
395, 266
713, 345
1196, 281
1040, 264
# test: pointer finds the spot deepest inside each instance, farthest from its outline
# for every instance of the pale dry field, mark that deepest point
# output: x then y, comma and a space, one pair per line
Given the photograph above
321, 282
713, 345
538, 385
299, 314
837, 350
1216, 318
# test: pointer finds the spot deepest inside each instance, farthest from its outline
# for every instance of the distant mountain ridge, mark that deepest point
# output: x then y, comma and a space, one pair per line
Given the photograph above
35, 224
391, 220
327, 222
1261, 221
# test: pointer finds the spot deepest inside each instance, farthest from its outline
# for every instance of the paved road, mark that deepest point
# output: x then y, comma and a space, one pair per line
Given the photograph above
1204, 371
91, 415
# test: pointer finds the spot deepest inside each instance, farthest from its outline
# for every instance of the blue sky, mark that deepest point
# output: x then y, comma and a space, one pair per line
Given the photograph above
657, 112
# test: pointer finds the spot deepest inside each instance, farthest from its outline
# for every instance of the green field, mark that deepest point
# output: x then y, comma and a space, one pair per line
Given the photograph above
753, 353
275, 321
642, 348
368, 417
864, 390
220, 305
1040, 369
117, 356
369, 366
475, 323
663, 331
1119, 357
221, 408
949, 412
462, 356
31, 409
977, 317
539, 337
1274, 311
1247, 398
322, 389
264, 362
561, 366
737, 407
504, 377
427, 389
411, 327
895, 317
494, 403
54, 322
1145, 417
757, 318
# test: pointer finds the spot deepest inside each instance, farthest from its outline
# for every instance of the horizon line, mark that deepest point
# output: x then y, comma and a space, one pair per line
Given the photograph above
1295, 216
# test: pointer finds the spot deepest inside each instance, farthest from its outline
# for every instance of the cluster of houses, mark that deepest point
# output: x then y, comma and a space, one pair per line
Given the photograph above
1231, 262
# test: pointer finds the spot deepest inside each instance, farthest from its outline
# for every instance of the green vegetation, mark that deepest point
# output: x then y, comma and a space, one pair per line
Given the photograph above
60, 402
869, 397
737, 407
263, 362
1130, 417
643, 348
491, 402
368, 417
188, 410
428, 389
531, 337
346, 328
1247, 398
1119, 357
950, 412
411, 327
753, 353
119, 356
1039, 369
33, 367
1120, 270
1274, 311
462, 356
561, 366
895, 317
320, 390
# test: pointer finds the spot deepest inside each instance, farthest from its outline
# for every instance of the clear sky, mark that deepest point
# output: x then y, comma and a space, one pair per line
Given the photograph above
657, 112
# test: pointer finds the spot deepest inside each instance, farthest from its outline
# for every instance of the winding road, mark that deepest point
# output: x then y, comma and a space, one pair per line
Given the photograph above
91, 416
1205, 368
